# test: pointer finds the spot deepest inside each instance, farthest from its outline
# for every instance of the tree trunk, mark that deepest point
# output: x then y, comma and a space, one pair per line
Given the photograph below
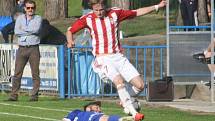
7, 7
202, 12
55, 9
179, 21
63, 8
124, 4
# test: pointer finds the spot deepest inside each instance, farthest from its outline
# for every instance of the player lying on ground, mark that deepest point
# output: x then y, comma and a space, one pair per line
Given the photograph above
92, 112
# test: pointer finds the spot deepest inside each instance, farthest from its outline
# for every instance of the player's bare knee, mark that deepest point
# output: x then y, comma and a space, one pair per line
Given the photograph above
140, 86
138, 83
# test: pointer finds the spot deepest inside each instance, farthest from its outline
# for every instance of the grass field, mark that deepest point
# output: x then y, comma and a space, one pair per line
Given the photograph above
54, 109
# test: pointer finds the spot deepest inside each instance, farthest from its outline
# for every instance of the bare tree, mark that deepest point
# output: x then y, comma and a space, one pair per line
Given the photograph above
202, 11
179, 21
124, 4
55, 9
7, 7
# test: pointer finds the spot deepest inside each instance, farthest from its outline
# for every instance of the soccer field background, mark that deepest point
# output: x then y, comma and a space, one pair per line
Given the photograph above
54, 109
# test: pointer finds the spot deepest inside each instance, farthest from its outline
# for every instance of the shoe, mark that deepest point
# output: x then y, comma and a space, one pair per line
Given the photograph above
139, 117
33, 99
12, 99
135, 103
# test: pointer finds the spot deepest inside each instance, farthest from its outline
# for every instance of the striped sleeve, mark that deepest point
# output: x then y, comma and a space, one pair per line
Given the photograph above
125, 14
78, 25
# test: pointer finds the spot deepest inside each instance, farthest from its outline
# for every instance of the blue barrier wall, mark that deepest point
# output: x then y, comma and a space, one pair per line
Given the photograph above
85, 80
189, 28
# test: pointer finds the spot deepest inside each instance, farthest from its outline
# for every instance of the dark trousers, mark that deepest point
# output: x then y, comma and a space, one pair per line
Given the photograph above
188, 7
24, 55
7, 30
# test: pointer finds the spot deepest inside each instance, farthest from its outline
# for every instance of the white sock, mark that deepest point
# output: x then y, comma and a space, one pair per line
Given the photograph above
126, 100
132, 90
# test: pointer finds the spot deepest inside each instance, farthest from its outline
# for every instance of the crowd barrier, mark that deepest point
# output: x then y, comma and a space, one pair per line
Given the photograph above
48, 67
80, 81
68, 72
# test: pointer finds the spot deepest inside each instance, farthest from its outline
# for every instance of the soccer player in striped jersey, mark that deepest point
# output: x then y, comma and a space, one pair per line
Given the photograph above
109, 62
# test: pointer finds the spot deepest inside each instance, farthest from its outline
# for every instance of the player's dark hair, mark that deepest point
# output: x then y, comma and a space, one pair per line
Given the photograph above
98, 103
30, 2
93, 2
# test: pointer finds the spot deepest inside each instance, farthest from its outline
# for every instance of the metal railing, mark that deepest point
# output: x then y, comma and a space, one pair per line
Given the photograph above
76, 77
189, 28
81, 81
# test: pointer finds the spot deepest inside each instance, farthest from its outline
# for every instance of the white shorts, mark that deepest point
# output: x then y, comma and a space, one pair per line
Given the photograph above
109, 66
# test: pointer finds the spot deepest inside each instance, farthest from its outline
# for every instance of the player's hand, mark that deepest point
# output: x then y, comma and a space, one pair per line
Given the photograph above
70, 44
162, 4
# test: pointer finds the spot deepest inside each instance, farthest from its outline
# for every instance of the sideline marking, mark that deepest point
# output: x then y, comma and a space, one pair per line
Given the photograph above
34, 117
7, 104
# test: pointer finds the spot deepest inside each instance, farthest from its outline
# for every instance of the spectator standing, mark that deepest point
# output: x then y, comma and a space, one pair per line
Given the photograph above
27, 28
189, 12
109, 61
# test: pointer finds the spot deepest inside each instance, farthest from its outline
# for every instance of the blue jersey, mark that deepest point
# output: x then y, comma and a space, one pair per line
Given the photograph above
78, 115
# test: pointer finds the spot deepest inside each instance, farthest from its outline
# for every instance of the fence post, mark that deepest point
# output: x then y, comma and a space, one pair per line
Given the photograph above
61, 71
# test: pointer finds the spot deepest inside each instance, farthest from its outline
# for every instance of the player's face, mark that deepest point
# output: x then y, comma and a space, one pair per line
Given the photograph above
30, 9
94, 108
99, 10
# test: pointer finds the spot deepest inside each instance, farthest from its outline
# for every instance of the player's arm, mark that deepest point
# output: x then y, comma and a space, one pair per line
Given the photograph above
70, 39
77, 26
146, 10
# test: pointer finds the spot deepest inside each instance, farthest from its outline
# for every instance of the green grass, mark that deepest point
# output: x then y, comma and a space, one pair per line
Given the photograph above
144, 25
40, 7
74, 7
54, 108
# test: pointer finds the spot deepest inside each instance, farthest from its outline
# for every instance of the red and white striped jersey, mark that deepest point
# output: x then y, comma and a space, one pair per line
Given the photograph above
104, 31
